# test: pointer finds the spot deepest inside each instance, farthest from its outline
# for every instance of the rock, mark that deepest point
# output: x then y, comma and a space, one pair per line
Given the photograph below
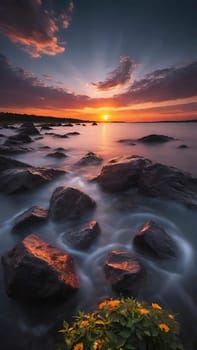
28, 128
34, 269
14, 149
44, 147
69, 203
31, 217
154, 138
182, 146
64, 136
83, 124
124, 272
46, 127
60, 149
57, 155
9, 163
19, 139
150, 179
154, 241
94, 123
89, 159
121, 176
25, 179
84, 237
68, 124
127, 142
74, 133
158, 180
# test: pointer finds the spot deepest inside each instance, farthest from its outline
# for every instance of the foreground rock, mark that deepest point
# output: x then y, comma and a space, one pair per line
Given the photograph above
150, 179
19, 178
121, 176
155, 138
34, 269
31, 217
9, 163
28, 128
69, 203
84, 237
124, 272
89, 159
154, 241
19, 139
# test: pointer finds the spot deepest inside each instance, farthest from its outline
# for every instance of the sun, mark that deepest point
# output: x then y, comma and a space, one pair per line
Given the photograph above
105, 117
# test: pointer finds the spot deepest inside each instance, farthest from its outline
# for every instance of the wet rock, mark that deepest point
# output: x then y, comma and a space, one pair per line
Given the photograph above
85, 236
34, 269
94, 123
90, 159
154, 138
153, 240
74, 133
124, 272
68, 124
45, 147
28, 128
127, 142
121, 176
158, 180
9, 163
46, 127
57, 155
182, 146
18, 139
38, 137
150, 179
83, 124
64, 136
69, 203
31, 217
60, 149
25, 179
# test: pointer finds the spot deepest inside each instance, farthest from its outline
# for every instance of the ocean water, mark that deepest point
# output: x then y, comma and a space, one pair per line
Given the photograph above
174, 285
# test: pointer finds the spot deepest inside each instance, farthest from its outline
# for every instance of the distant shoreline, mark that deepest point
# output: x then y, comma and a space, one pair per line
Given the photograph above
6, 117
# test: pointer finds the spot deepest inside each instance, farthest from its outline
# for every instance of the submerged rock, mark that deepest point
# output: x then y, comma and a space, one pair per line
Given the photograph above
31, 217
24, 179
74, 133
85, 236
90, 159
34, 269
69, 203
57, 154
127, 142
182, 146
124, 272
155, 138
153, 240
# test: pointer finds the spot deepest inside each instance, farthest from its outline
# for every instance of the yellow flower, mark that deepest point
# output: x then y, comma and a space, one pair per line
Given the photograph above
113, 303
156, 306
78, 346
171, 316
143, 311
102, 305
164, 327
84, 323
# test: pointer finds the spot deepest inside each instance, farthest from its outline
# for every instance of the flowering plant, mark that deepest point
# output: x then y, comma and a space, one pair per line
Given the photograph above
122, 324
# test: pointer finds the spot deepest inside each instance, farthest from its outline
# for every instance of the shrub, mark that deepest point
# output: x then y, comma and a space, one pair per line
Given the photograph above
122, 324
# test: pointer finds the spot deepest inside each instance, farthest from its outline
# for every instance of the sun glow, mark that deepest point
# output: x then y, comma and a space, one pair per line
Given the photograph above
105, 117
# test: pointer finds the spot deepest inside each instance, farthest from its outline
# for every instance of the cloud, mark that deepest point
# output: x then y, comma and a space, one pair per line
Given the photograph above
21, 89
33, 27
118, 77
162, 85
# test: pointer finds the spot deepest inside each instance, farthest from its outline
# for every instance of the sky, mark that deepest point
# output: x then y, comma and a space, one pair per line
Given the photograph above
130, 60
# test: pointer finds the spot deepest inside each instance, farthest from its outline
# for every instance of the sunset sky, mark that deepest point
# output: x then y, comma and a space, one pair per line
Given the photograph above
132, 60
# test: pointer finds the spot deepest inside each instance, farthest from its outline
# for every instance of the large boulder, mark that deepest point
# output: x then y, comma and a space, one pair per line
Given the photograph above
69, 203
30, 218
24, 179
85, 236
154, 241
121, 176
150, 179
18, 139
90, 159
155, 138
34, 269
124, 272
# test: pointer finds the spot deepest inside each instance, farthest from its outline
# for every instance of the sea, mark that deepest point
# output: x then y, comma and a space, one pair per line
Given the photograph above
173, 285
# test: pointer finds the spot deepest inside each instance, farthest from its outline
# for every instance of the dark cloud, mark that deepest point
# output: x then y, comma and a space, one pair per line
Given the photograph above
21, 89
33, 27
163, 85
118, 77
